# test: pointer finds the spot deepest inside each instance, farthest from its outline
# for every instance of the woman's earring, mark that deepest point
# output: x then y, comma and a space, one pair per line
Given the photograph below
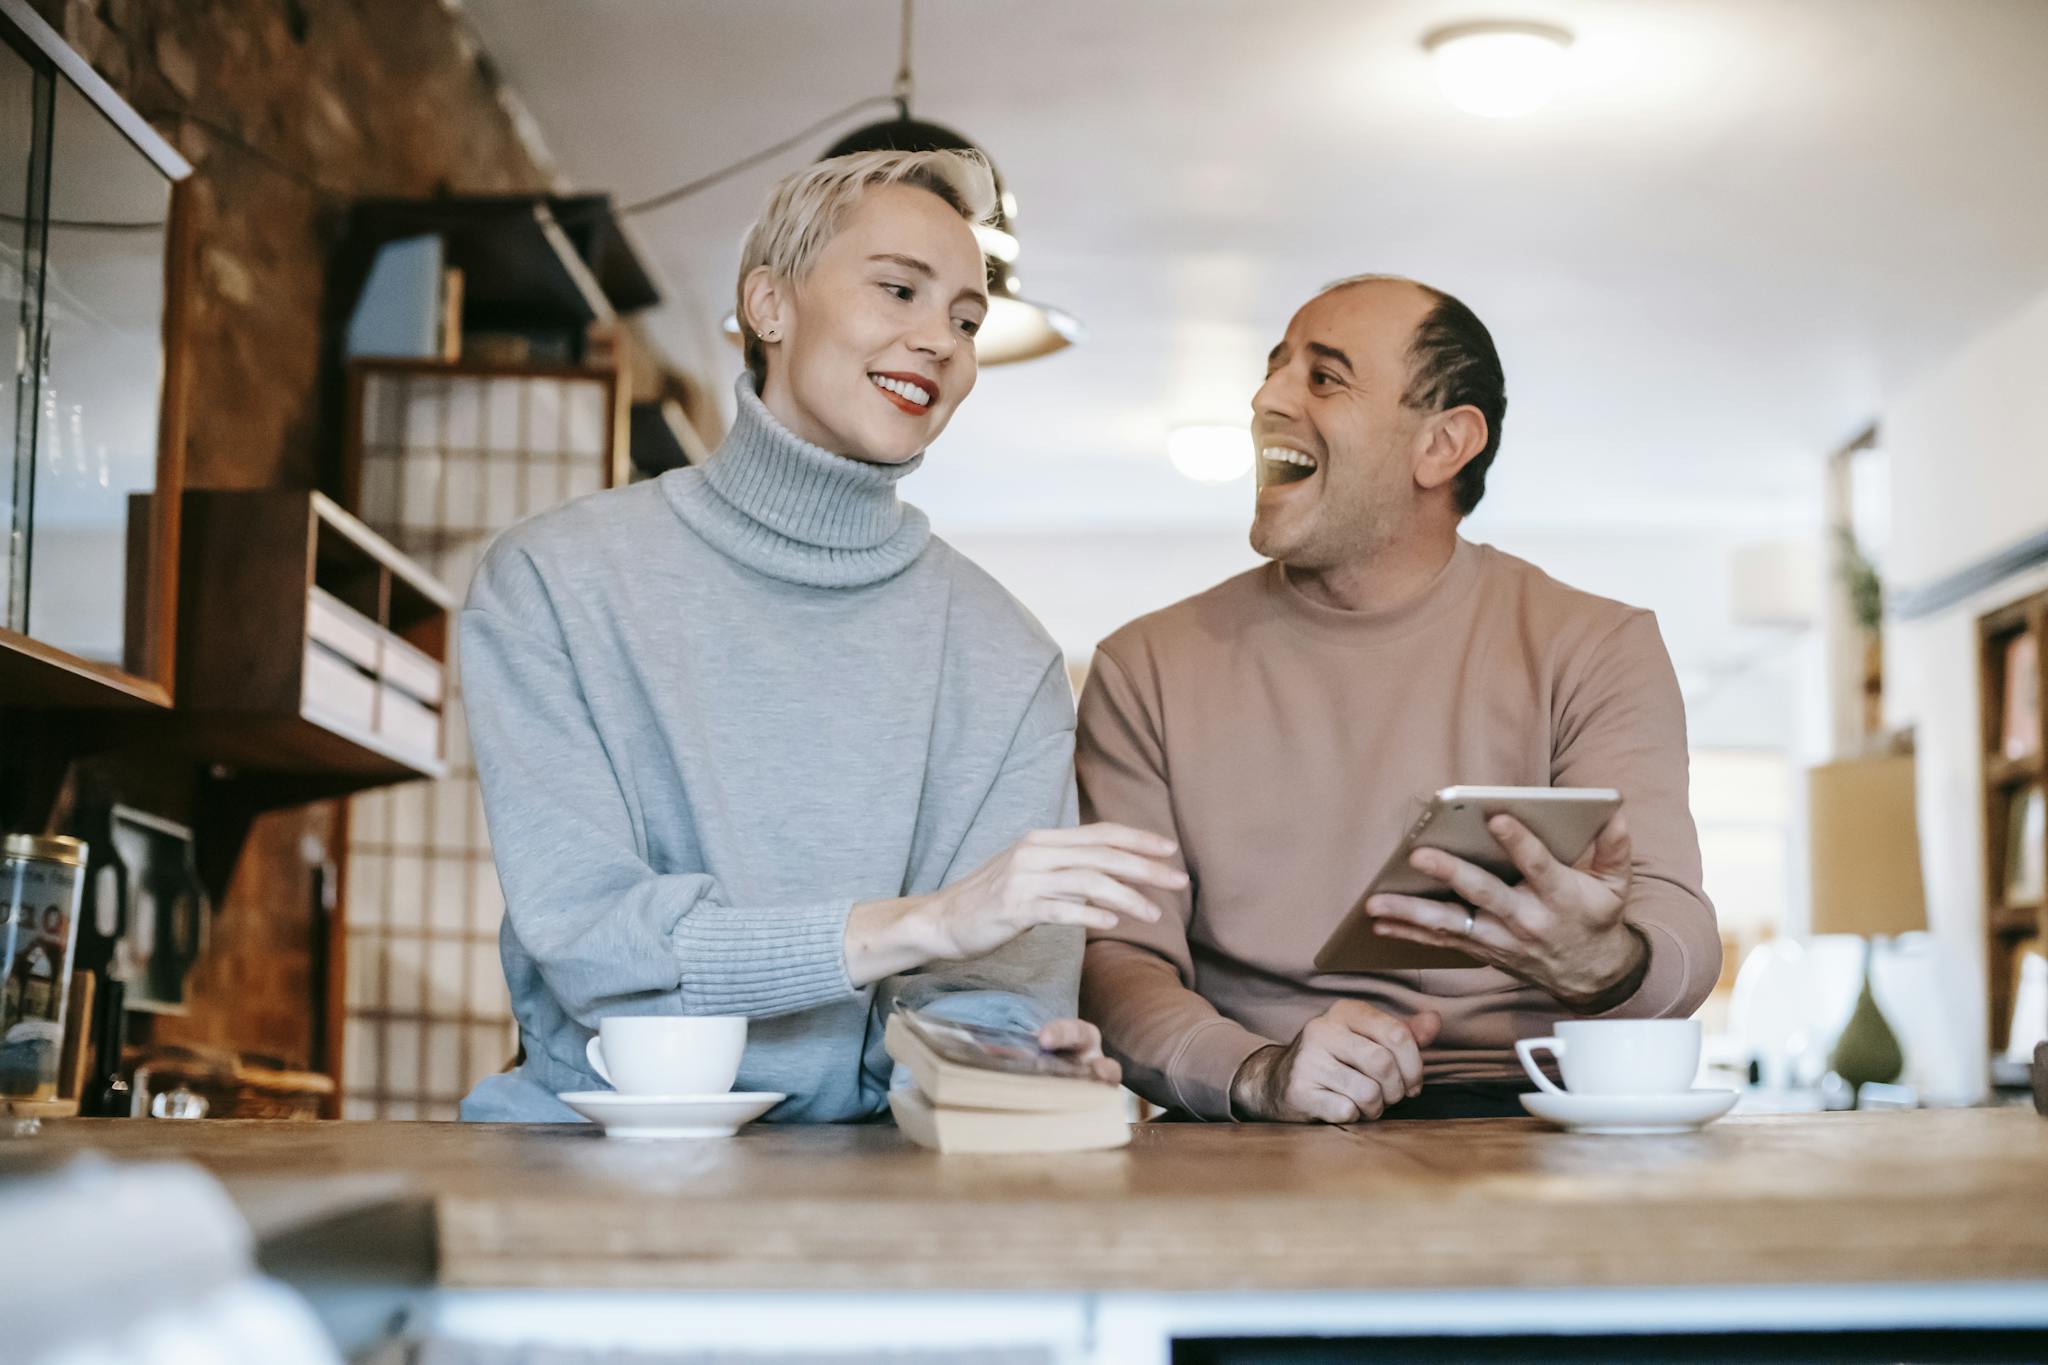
770, 334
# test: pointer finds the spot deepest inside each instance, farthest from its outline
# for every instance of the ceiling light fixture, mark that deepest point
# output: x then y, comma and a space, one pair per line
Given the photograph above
1499, 68
1210, 452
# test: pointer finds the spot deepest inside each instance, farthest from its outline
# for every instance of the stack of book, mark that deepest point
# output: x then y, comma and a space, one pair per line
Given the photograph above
988, 1090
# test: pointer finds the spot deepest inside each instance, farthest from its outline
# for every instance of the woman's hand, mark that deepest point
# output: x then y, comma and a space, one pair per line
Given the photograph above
1079, 876
1082, 1041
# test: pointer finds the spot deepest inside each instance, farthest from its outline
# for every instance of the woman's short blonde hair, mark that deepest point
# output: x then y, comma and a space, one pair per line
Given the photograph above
805, 210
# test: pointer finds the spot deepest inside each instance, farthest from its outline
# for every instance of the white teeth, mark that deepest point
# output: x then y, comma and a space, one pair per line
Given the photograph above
1283, 455
902, 389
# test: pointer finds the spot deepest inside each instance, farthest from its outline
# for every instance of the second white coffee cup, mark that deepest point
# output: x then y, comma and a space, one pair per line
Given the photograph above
669, 1054
1618, 1056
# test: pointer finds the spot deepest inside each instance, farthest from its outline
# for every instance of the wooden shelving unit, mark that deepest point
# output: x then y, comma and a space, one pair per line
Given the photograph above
439, 454
528, 262
312, 650
2010, 780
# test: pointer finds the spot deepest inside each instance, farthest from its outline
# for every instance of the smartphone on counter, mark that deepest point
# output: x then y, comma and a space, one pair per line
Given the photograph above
1565, 819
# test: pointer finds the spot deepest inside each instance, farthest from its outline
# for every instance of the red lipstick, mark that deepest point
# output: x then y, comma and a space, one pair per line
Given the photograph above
930, 387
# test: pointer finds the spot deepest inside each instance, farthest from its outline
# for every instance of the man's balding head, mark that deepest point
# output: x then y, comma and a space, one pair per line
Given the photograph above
1379, 415
1452, 363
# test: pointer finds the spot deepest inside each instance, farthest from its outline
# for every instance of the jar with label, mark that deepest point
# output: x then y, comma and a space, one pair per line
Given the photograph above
40, 882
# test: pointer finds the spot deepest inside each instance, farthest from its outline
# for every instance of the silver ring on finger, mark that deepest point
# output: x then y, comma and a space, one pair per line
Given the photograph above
1471, 922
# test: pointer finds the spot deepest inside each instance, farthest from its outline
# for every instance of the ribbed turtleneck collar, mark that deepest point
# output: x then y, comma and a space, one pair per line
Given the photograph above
795, 511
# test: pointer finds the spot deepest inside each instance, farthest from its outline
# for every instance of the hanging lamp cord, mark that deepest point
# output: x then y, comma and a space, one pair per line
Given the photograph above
900, 95
905, 87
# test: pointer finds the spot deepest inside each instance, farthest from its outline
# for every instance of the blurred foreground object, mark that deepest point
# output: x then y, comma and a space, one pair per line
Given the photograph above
145, 1265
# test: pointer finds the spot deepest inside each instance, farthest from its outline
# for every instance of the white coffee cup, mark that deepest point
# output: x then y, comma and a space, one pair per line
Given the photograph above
669, 1054
1618, 1056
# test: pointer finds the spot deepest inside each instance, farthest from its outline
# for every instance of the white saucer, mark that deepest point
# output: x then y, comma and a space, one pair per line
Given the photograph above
671, 1116
1682, 1111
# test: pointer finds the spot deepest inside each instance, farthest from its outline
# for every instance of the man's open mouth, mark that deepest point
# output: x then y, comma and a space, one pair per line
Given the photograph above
1284, 464
913, 395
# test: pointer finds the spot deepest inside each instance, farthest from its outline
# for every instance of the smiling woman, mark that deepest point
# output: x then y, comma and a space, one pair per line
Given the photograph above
752, 741
854, 307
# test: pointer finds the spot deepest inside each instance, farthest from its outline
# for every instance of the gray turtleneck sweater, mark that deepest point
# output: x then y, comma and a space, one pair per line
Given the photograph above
713, 711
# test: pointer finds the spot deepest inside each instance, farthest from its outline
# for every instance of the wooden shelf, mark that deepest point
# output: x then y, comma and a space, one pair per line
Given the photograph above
313, 650
33, 674
2023, 921
315, 748
602, 239
2010, 929
474, 369
519, 255
2001, 771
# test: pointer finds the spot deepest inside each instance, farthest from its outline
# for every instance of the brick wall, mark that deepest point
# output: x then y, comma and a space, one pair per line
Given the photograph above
338, 98
354, 97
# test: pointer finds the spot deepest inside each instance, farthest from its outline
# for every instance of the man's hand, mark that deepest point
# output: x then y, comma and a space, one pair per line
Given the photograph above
1348, 1063
1560, 929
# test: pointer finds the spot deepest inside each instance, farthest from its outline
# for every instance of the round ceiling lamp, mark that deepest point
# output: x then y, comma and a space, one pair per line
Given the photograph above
1499, 69
1210, 453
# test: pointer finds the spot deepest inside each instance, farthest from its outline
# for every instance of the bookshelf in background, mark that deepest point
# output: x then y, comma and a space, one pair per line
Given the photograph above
2014, 690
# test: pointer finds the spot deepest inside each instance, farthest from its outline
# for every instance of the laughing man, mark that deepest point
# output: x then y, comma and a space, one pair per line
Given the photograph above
1283, 724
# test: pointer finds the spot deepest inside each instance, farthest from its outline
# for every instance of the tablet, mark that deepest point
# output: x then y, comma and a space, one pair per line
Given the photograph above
1566, 819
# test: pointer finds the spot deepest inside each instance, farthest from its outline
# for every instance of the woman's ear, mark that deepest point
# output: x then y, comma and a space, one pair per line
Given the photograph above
765, 304
1450, 441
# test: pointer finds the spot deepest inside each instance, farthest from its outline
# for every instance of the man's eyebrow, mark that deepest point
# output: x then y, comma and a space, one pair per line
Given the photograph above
1330, 353
1277, 354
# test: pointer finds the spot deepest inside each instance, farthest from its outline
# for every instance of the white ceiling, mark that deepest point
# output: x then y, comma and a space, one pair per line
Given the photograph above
1742, 223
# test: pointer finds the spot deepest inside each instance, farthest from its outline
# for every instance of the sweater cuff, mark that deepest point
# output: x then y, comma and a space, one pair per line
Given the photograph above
1201, 1072
1662, 989
759, 962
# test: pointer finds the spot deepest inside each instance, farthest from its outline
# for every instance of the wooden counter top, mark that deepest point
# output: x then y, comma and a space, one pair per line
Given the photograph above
1936, 1195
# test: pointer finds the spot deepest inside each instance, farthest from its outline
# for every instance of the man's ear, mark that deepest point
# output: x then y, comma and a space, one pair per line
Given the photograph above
765, 303
1450, 441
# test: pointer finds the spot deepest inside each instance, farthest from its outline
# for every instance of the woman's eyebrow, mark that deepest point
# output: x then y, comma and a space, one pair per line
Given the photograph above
910, 263
917, 267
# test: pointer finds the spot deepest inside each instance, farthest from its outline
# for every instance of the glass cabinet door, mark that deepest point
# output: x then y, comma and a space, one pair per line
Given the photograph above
100, 381
84, 226
21, 272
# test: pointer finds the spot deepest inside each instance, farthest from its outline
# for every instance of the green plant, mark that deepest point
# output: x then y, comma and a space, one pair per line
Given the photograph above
1860, 578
